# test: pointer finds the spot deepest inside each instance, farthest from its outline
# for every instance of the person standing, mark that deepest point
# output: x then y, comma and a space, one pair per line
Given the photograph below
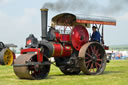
95, 35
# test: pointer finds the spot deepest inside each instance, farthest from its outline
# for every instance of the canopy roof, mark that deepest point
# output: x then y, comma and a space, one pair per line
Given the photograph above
71, 19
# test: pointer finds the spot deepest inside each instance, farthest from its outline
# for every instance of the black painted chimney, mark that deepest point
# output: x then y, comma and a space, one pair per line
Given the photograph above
44, 16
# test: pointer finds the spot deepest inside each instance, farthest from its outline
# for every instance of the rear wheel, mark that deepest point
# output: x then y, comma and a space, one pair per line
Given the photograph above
92, 58
6, 57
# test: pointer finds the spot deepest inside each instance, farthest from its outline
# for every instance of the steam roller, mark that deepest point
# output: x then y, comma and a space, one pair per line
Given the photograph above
6, 55
73, 51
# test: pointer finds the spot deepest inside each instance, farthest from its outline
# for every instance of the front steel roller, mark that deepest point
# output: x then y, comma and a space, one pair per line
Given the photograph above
92, 58
27, 67
6, 56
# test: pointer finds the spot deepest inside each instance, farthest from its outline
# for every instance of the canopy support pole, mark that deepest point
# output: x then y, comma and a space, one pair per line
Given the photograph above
102, 36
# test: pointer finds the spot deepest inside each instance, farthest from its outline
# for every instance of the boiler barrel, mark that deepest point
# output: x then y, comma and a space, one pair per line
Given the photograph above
61, 51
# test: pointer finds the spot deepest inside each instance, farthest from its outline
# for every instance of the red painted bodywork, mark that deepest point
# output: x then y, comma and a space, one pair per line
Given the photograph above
62, 37
61, 51
57, 50
106, 47
28, 42
67, 51
79, 36
57, 34
37, 51
65, 38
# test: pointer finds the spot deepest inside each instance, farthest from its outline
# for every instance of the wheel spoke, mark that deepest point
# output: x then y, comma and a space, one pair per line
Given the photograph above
99, 59
88, 61
92, 49
98, 64
98, 55
89, 55
91, 68
86, 58
97, 51
87, 65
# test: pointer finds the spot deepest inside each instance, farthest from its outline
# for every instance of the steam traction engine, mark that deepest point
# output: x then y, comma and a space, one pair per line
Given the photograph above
6, 55
73, 52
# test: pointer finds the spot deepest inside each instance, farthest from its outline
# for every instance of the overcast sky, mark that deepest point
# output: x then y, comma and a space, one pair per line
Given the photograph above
19, 18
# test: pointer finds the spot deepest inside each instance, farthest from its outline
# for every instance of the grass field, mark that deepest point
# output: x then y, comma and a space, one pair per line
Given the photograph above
116, 73
119, 47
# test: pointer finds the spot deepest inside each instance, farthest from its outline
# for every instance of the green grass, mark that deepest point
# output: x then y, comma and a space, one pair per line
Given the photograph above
119, 47
116, 73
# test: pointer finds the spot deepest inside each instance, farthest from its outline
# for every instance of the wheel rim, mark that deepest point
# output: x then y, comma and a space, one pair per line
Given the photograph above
94, 59
8, 57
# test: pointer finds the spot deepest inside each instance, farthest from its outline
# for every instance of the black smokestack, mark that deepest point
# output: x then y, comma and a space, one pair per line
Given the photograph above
44, 16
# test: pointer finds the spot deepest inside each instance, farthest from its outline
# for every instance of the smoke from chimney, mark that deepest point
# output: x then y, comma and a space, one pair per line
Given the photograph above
115, 6
88, 6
